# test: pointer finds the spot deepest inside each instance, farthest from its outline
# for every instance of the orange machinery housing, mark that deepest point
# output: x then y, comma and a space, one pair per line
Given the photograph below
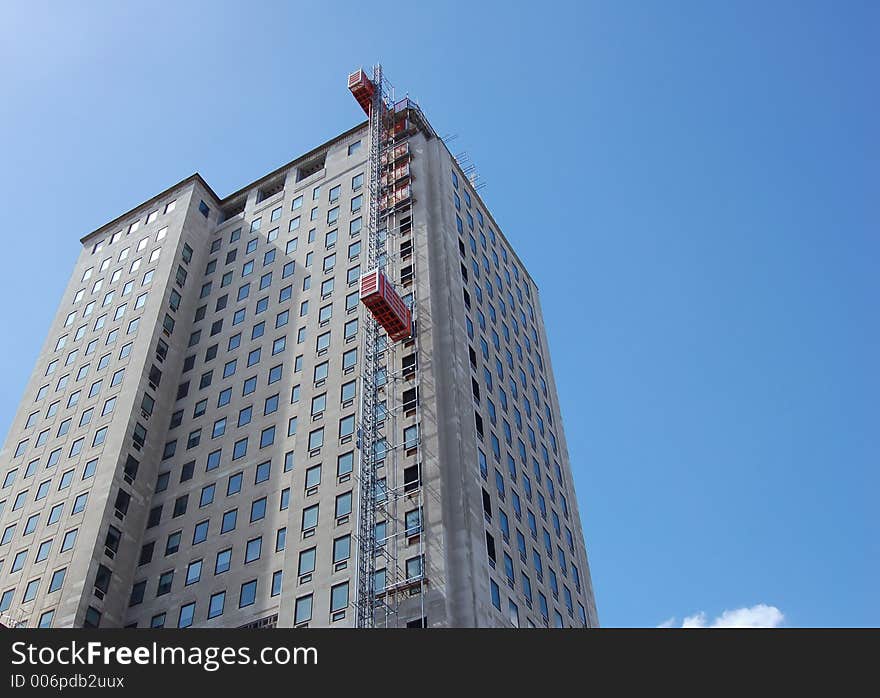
362, 88
379, 296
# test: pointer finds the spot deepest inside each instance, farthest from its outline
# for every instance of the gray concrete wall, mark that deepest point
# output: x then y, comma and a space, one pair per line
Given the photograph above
70, 601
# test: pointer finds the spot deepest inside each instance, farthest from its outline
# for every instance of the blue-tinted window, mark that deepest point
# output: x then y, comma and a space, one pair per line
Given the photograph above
248, 593
224, 558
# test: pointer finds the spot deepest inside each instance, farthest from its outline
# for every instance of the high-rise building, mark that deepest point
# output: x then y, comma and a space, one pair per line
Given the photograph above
190, 445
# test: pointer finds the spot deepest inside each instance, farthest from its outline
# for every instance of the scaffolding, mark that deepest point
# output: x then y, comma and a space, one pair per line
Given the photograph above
391, 546
13, 619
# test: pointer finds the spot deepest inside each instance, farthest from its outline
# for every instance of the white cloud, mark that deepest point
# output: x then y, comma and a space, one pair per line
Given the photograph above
759, 616
695, 621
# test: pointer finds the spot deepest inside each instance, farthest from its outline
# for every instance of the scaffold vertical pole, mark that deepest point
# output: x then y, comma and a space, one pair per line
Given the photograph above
367, 428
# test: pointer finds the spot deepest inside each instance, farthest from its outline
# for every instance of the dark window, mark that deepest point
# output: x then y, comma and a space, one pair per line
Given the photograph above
146, 553
93, 618
186, 472
137, 593
154, 516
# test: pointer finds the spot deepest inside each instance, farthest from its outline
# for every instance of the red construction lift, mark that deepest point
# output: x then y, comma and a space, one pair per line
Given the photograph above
387, 307
362, 88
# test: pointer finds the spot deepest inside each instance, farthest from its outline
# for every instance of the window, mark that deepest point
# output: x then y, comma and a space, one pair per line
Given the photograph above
169, 450
223, 562
310, 517
213, 460
185, 619
275, 374
228, 522
57, 580
341, 549
345, 464
66, 479
411, 436
253, 549
43, 550
281, 539
30, 590
346, 426
513, 612
313, 476
253, 357
349, 359
22, 496
7, 534
303, 610
146, 555
166, 579
258, 509
93, 618
338, 597
172, 545
200, 532
306, 561
276, 582
207, 495
343, 504
79, 504
267, 437
413, 522
495, 594
319, 403
248, 593
31, 524
215, 605
414, 567
316, 439
348, 391
229, 368
10, 478
42, 491
222, 399
263, 472
233, 484
193, 572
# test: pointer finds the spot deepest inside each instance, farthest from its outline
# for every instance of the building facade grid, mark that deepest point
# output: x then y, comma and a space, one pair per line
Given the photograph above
185, 451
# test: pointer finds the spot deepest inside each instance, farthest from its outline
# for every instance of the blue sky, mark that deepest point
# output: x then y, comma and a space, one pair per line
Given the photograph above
693, 185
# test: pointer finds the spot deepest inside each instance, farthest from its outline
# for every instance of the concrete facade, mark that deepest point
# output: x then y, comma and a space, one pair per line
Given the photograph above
204, 497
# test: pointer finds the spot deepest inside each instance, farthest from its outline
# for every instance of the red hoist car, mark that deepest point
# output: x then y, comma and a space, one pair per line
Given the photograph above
362, 88
387, 307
